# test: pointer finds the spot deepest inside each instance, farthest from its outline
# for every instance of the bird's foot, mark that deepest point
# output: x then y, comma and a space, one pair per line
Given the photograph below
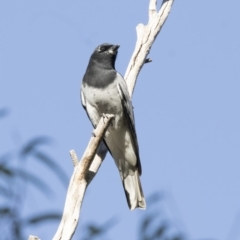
104, 115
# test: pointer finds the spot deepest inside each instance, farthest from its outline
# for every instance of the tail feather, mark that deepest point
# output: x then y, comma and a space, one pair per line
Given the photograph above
133, 190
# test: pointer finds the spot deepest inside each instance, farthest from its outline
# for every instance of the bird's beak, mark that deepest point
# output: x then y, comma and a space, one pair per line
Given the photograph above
113, 49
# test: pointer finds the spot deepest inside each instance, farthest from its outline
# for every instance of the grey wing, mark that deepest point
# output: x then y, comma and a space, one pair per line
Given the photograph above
128, 110
83, 101
90, 110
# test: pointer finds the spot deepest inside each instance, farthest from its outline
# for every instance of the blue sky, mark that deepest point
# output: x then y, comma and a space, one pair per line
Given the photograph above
186, 105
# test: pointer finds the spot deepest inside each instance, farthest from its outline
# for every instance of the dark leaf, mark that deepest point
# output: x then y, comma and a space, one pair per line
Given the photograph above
41, 218
27, 176
17, 229
33, 144
179, 237
5, 211
154, 198
6, 170
95, 230
53, 166
31, 149
34, 180
147, 225
144, 225
109, 224
159, 232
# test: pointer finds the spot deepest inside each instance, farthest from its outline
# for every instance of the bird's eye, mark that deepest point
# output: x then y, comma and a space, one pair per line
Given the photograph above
101, 48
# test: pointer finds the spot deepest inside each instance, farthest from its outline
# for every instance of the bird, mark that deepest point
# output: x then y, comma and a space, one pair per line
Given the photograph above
104, 91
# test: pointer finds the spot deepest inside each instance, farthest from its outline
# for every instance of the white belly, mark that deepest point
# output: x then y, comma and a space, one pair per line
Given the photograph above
118, 136
104, 101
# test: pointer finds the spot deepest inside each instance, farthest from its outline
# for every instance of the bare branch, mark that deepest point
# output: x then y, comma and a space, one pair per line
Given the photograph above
146, 35
74, 157
152, 8
79, 182
98, 160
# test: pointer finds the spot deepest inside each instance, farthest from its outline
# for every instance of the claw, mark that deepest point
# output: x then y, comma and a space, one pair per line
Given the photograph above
104, 116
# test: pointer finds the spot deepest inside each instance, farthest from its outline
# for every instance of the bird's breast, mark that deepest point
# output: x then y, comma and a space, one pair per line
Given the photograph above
106, 101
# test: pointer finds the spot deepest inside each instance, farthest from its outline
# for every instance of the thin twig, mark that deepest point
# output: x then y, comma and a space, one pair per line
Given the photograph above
74, 157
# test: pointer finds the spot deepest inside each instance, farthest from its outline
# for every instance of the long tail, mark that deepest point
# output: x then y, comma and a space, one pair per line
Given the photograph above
133, 190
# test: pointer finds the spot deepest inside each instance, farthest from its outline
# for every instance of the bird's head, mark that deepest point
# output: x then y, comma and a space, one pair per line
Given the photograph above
106, 54
108, 49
